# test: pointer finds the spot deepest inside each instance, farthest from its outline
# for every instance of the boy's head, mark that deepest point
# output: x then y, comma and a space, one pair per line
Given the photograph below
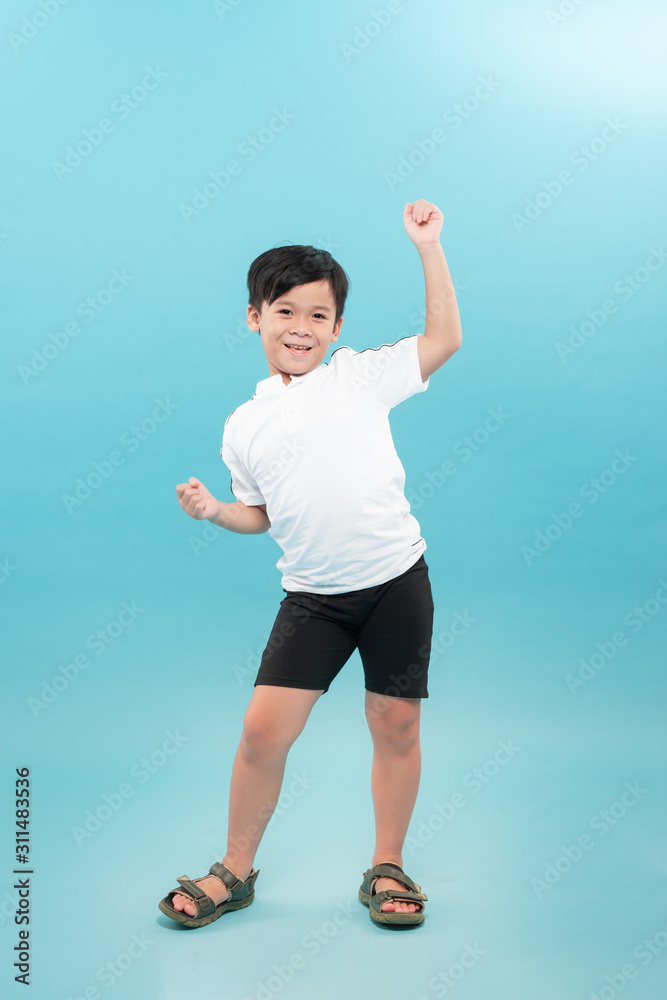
296, 295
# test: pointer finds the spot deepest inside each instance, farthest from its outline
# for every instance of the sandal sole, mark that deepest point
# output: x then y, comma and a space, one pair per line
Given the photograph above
186, 921
381, 917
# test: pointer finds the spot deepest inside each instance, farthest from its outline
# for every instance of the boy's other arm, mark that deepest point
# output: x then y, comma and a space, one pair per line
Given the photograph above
201, 505
243, 518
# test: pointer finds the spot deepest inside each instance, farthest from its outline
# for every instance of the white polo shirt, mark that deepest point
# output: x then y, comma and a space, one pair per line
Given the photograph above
319, 453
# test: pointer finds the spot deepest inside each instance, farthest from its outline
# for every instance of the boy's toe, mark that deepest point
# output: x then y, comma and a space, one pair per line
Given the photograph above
187, 906
182, 904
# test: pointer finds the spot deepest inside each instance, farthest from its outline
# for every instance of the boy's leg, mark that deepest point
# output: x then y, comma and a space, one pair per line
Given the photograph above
394, 728
395, 645
273, 720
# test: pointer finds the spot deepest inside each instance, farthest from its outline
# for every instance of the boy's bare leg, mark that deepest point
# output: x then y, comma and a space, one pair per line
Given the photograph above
274, 718
394, 727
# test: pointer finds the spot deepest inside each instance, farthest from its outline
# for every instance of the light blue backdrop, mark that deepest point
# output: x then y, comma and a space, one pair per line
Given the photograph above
538, 128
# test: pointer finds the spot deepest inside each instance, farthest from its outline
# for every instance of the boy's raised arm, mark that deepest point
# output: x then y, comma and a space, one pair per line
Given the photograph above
442, 330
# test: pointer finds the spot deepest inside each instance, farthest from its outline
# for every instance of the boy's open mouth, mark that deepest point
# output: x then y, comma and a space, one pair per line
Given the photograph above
297, 351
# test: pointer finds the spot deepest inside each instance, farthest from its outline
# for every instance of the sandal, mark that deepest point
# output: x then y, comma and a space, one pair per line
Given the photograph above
240, 894
374, 900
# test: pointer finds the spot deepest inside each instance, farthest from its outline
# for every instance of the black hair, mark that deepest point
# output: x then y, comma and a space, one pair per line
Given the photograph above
276, 271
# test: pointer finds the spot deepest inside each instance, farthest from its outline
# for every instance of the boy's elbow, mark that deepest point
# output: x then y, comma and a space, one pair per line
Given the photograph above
455, 344
265, 523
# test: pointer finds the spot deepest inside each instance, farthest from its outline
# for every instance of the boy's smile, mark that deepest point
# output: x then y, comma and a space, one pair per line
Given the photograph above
297, 328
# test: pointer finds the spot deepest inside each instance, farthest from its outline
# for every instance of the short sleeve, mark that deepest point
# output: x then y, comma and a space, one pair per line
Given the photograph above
243, 486
391, 371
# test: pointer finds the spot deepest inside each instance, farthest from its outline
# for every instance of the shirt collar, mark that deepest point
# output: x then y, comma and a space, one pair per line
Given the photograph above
276, 381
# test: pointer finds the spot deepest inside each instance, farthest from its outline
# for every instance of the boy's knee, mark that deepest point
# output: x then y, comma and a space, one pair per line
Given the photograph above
264, 736
396, 719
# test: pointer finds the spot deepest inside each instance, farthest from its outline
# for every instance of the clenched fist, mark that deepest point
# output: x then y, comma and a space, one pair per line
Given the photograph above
196, 500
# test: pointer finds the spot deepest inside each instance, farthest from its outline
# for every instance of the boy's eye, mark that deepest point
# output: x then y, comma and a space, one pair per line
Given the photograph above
289, 310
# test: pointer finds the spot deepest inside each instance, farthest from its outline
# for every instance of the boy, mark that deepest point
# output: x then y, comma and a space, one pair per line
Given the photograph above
312, 461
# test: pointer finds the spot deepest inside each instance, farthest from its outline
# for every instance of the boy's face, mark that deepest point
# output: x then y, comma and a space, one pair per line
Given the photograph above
304, 315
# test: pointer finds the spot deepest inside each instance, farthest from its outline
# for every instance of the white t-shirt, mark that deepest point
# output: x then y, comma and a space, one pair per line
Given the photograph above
319, 453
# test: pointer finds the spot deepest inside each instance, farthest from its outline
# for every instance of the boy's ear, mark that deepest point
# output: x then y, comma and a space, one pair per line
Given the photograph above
252, 319
336, 330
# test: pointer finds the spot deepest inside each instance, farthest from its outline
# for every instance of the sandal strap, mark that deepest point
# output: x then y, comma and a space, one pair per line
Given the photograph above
222, 872
203, 904
380, 897
390, 871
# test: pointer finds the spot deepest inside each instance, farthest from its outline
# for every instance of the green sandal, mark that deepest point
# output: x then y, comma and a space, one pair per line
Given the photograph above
241, 894
374, 900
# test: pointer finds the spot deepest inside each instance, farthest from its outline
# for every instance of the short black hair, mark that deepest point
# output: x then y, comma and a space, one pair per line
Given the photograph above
276, 271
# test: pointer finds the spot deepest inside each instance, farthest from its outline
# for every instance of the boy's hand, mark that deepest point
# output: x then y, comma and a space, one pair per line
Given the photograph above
196, 500
425, 227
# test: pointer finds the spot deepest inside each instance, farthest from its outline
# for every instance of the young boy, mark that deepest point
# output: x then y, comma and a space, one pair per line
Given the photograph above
312, 461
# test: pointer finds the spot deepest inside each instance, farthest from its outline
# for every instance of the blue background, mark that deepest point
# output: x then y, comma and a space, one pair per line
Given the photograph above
365, 91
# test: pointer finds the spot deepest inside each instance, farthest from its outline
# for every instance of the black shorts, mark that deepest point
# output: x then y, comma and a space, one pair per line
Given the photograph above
391, 624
